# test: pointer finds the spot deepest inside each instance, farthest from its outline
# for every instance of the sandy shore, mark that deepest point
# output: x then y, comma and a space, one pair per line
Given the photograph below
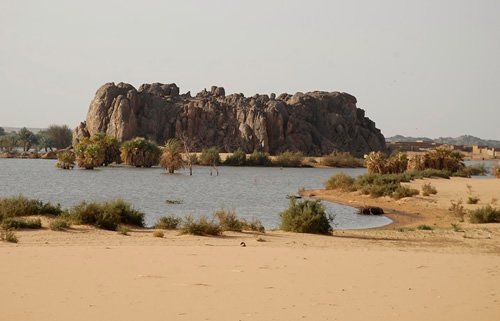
391, 273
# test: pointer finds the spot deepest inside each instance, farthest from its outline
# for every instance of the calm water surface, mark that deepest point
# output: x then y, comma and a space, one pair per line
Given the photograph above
251, 191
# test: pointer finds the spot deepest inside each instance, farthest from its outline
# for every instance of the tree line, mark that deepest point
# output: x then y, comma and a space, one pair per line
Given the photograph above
54, 137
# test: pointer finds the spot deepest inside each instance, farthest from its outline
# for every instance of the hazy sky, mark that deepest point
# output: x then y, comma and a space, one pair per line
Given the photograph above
417, 67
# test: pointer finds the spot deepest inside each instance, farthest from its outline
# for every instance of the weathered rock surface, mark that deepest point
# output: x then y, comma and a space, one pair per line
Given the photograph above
314, 123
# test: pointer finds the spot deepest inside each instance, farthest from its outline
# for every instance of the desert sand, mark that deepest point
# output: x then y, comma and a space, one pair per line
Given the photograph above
390, 273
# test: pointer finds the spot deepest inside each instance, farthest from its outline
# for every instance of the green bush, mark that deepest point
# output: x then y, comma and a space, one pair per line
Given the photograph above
200, 226
238, 158
8, 236
289, 159
59, 224
21, 223
341, 181
21, 206
209, 157
341, 159
472, 170
253, 225
169, 222
306, 217
485, 214
65, 160
259, 159
89, 154
228, 221
140, 152
428, 189
122, 229
106, 215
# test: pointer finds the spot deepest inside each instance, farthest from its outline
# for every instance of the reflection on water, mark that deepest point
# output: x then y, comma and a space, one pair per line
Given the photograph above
251, 191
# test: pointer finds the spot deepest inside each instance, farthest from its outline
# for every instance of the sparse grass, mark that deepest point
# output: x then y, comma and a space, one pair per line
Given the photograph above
201, 226
22, 206
123, 230
495, 171
458, 210
472, 170
169, 222
253, 225
428, 189
259, 159
260, 239
485, 214
159, 234
16, 223
341, 181
289, 159
456, 227
8, 236
341, 159
472, 200
59, 224
106, 215
306, 217
424, 227
228, 221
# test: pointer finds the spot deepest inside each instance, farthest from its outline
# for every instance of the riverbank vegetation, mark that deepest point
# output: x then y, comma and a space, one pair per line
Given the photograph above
306, 217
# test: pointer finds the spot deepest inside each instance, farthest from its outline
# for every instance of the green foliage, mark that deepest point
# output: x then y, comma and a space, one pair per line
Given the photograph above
253, 225
472, 170
2, 131
8, 236
9, 142
89, 154
140, 152
21, 223
110, 147
485, 214
289, 159
122, 229
27, 138
341, 159
169, 222
59, 136
403, 191
65, 160
258, 158
106, 215
59, 224
306, 217
209, 157
228, 221
171, 158
21, 206
201, 226
428, 189
238, 158
341, 181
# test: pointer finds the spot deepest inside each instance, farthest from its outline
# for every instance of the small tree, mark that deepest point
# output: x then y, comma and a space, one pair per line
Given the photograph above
59, 136
306, 217
27, 138
111, 148
171, 158
89, 154
2, 131
210, 157
65, 160
238, 158
9, 141
140, 152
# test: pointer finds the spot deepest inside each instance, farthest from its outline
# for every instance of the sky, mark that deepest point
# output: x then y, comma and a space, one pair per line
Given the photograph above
419, 68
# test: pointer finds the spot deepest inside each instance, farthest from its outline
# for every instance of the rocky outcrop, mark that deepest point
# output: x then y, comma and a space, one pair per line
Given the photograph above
314, 123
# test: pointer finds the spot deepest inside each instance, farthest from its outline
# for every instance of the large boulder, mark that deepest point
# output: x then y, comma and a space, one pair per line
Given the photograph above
314, 123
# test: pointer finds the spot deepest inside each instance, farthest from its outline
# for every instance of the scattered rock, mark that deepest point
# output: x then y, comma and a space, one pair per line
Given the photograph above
371, 211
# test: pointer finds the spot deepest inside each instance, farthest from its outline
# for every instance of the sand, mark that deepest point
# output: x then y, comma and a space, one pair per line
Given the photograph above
390, 273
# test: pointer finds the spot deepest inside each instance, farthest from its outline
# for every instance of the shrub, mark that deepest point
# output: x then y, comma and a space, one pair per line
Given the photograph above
200, 226
341, 159
485, 214
495, 171
472, 170
21, 206
238, 158
8, 236
110, 147
140, 152
89, 154
59, 224
428, 189
209, 157
65, 160
306, 217
341, 181
171, 158
253, 225
259, 159
458, 210
472, 200
21, 223
159, 234
106, 215
424, 227
170, 222
289, 159
123, 230
228, 221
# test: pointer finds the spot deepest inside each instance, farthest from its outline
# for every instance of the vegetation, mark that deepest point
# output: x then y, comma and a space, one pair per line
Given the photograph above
428, 189
59, 136
289, 159
424, 227
258, 158
9, 142
201, 226
238, 158
65, 160
2, 131
485, 214
495, 171
306, 217
106, 215
59, 224
171, 158
89, 154
170, 222
21, 223
159, 234
458, 210
472, 200
210, 157
122, 229
341, 159
8, 236
27, 139
472, 170
228, 221
16, 206
342, 182
140, 152
253, 225
110, 147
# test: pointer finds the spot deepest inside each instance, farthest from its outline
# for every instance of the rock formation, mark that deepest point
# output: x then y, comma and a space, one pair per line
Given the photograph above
315, 123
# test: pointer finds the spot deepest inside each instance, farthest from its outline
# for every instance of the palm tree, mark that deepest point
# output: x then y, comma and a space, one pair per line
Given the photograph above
65, 160
140, 152
89, 154
397, 163
375, 163
171, 159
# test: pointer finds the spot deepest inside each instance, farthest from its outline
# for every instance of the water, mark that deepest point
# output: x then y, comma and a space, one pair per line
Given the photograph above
250, 191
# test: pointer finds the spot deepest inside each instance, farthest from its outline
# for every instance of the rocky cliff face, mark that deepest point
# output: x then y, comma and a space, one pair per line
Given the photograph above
314, 123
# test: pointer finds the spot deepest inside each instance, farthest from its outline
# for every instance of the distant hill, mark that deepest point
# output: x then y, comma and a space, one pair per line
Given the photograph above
467, 140
16, 129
